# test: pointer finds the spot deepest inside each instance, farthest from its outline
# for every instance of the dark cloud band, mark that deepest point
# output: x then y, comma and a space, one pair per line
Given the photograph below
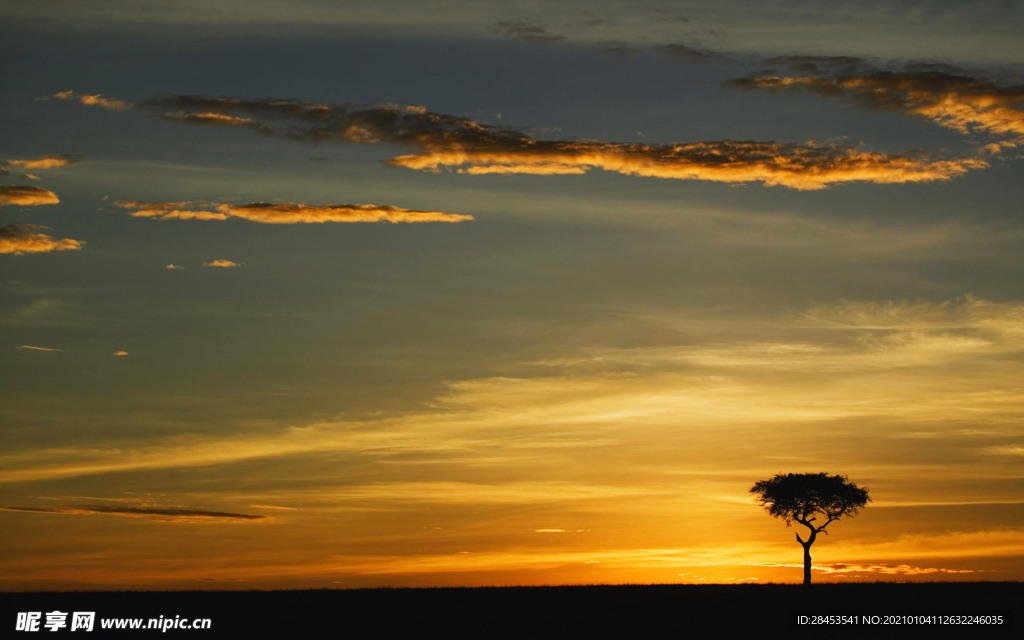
162, 514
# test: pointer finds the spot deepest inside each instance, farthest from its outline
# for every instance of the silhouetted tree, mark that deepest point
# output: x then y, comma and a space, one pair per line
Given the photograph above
806, 497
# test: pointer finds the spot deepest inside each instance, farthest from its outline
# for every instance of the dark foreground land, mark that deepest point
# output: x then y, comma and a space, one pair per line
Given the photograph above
968, 610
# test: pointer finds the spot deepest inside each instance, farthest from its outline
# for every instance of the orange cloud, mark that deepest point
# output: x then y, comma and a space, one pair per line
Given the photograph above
285, 213
956, 102
43, 162
887, 569
475, 148
19, 239
93, 100
210, 117
799, 166
120, 353
225, 264
27, 196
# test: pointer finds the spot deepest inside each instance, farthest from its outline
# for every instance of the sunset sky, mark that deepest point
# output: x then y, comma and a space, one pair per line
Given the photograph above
353, 294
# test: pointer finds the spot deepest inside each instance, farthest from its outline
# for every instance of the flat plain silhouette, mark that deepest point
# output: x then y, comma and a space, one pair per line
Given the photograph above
806, 498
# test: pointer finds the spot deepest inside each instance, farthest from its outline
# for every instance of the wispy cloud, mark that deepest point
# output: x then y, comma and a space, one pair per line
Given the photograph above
1012, 450
43, 162
213, 118
689, 53
20, 239
26, 196
874, 336
40, 312
157, 514
824, 65
447, 141
285, 213
959, 102
525, 30
221, 263
93, 100
965, 313
34, 348
885, 569
901, 376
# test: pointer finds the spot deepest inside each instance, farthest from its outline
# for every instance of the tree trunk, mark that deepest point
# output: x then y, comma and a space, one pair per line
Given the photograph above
807, 547
807, 562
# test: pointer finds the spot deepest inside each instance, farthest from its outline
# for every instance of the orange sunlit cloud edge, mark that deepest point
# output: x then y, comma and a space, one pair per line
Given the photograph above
285, 213
954, 101
476, 148
20, 239
93, 100
43, 162
26, 196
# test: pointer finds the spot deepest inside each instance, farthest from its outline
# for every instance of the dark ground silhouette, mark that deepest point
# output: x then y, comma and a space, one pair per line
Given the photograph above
628, 612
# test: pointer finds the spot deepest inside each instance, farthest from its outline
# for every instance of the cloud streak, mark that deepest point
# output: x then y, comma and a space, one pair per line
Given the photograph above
19, 239
965, 313
687, 53
885, 569
93, 100
868, 338
525, 30
213, 118
41, 163
958, 102
157, 514
806, 166
26, 196
34, 348
445, 141
285, 213
911, 377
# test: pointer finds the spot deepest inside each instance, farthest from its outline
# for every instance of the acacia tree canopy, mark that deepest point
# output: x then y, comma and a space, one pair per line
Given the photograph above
800, 496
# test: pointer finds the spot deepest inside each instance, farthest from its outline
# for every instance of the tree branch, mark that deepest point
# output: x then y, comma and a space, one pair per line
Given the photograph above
828, 522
